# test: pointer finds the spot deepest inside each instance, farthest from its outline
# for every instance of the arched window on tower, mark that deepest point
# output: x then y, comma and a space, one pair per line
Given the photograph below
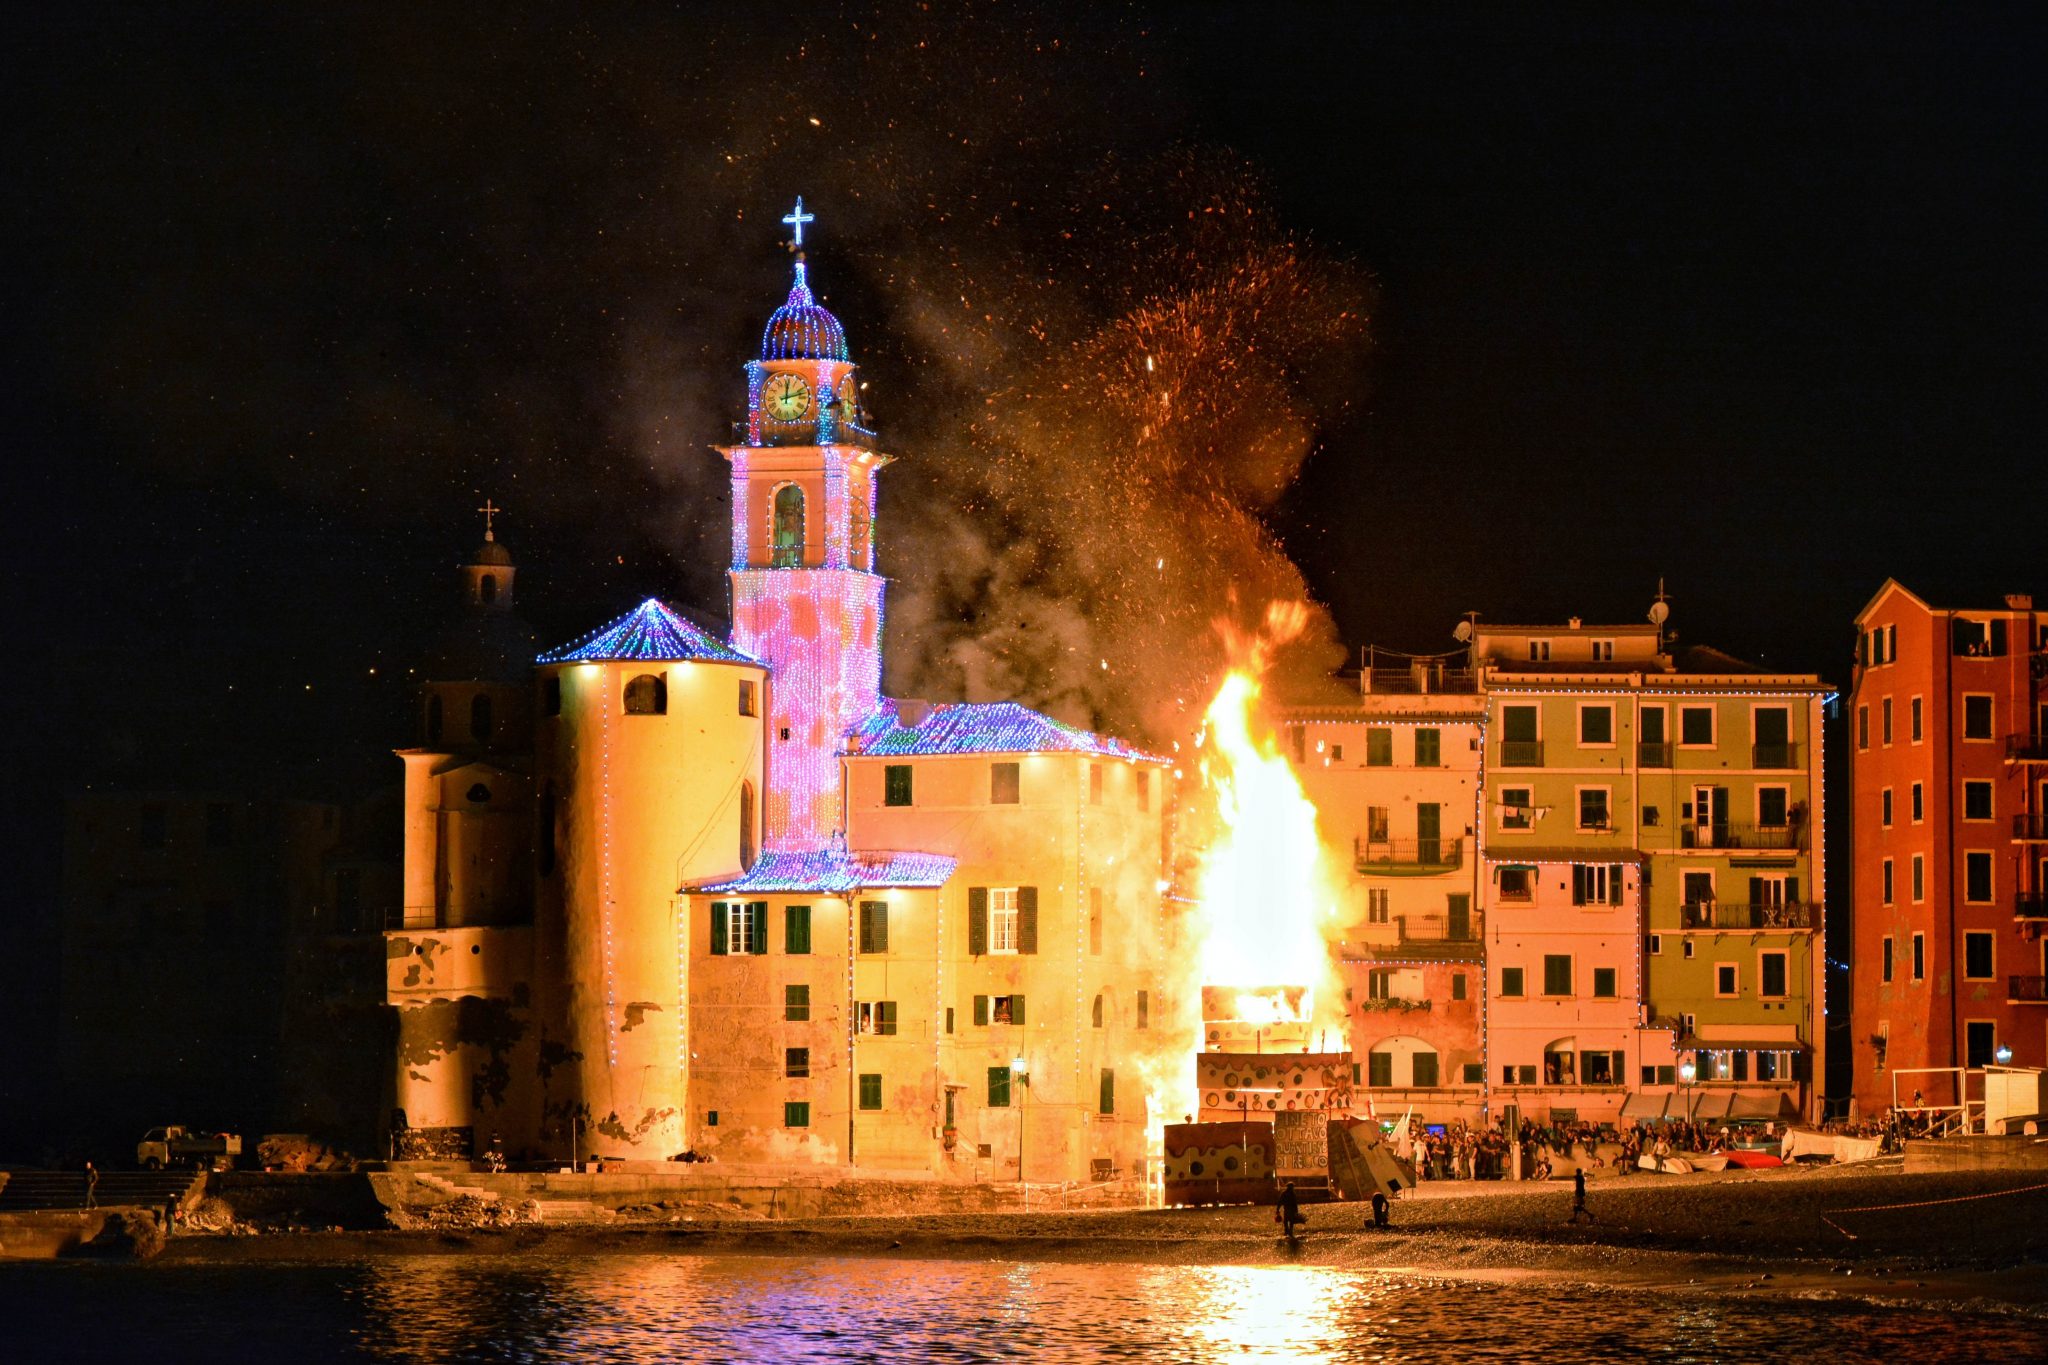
647, 695
480, 718
487, 589
789, 527
746, 826
1098, 1012
434, 718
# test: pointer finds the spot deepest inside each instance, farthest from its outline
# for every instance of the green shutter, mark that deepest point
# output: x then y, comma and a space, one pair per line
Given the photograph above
1017, 1009
981, 1010
796, 929
977, 924
757, 913
1380, 1068
718, 909
1614, 884
1027, 920
871, 1090
999, 1087
874, 926
1108, 1103
885, 1016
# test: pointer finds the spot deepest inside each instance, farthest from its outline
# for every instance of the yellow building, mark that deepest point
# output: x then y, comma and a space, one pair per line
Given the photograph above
668, 893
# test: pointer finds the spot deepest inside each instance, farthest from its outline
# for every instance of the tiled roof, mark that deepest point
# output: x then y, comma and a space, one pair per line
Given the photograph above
651, 632
834, 869
1002, 727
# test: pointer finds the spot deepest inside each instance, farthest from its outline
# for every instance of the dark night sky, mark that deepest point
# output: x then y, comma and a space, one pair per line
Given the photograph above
1743, 296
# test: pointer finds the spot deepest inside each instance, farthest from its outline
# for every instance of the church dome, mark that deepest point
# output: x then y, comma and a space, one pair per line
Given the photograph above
491, 552
802, 329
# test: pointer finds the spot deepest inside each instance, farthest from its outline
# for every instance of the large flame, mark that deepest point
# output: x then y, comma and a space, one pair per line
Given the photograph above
1264, 886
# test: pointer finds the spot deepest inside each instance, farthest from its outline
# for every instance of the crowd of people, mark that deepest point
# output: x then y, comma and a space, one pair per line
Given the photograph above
1466, 1151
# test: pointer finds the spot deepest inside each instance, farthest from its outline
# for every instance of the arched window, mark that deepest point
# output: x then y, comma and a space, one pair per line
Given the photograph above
746, 826
789, 527
647, 695
1401, 1062
487, 590
480, 718
1098, 1011
1560, 1062
434, 718
545, 849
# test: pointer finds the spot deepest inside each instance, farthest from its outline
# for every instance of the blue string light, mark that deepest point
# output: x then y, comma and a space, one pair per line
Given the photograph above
835, 870
651, 632
981, 728
802, 329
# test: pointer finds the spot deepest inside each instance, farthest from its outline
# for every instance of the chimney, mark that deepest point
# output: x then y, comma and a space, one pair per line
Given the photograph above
1575, 623
911, 711
2019, 601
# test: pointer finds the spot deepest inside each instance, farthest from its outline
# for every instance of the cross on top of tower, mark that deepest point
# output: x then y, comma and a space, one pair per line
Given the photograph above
489, 509
797, 221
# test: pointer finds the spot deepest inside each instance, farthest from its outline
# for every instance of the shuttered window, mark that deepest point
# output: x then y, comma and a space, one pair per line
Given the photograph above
796, 929
874, 926
871, 1090
796, 1114
1002, 919
1429, 748
796, 1003
1107, 1102
999, 1087
896, 785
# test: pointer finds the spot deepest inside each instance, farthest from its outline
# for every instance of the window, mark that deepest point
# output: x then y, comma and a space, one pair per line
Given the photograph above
647, 695
746, 814
1003, 782
1094, 784
1518, 884
1379, 1068
796, 1004
1863, 727
1919, 866
551, 696
999, 1087
487, 589
1603, 983
1603, 651
796, 1062
1884, 808
1559, 1066
1336, 753
739, 928
796, 1114
1096, 1018
1475, 1073
896, 788
1774, 807
1977, 877
1651, 726
998, 1009
1539, 651
1519, 746
1601, 1068
1696, 727
796, 929
750, 703
1424, 1070
788, 552
1517, 808
1914, 723
1725, 978
1379, 747
1593, 814
1885, 868
1141, 785
1976, 717
1511, 981
874, 926
1976, 800
1885, 960
1688, 949
1095, 921
1884, 720
1002, 919
1919, 803
1557, 974
1596, 883
1457, 986
1596, 726
1976, 956
871, 1090
1429, 747
1379, 983
876, 1017
481, 719
1656, 944
1771, 976
1144, 1009
1377, 901
1919, 957
1981, 1042
1105, 1102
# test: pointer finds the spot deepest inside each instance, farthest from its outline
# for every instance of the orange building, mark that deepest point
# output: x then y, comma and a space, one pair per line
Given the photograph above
1949, 748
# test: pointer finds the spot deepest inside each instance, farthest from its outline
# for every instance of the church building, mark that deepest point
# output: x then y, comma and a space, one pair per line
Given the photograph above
668, 893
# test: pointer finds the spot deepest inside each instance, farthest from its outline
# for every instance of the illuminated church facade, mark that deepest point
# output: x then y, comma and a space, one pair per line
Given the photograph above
668, 893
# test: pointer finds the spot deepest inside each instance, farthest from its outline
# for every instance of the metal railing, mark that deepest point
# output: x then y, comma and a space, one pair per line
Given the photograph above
1409, 855
1421, 677
2031, 990
2030, 905
2030, 826
1785, 837
1437, 929
1521, 753
1774, 755
1653, 754
1740, 915
2026, 748
410, 917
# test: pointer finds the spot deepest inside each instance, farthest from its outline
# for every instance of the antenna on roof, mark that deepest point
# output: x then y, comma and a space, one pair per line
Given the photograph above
1462, 632
1660, 610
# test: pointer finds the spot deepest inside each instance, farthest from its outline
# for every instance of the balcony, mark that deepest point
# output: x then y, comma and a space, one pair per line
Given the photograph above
2026, 748
1787, 838
2028, 990
2030, 906
1651, 754
1521, 753
1408, 857
2030, 828
1703, 915
1774, 755
1436, 929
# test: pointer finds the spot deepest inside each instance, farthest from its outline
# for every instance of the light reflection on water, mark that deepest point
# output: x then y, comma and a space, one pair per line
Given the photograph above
640, 1307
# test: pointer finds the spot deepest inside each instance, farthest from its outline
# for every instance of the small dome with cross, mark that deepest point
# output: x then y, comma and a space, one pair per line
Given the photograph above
802, 329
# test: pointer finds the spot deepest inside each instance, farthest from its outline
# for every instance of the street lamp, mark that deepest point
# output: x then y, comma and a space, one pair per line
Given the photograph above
1020, 1081
1686, 1071
2003, 1056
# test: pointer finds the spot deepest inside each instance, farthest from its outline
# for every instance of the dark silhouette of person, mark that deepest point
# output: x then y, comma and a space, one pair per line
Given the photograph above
1380, 1208
1579, 1209
1290, 1211
92, 1186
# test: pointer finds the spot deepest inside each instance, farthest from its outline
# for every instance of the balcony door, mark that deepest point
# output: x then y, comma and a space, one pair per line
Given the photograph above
1709, 816
1429, 821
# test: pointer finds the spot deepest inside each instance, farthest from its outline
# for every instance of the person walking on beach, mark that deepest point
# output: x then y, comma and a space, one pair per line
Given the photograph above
92, 1185
1579, 1209
1289, 1212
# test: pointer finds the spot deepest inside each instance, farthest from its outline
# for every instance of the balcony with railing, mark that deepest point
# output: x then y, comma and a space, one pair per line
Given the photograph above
2030, 905
1706, 915
1785, 838
2026, 748
2030, 828
2028, 990
1774, 755
1653, 754
1408, 857
1521, 753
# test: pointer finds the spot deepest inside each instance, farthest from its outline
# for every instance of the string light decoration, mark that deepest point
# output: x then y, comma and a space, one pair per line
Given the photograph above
651, 632
741, 543
835, 871
1002, 727
802, 329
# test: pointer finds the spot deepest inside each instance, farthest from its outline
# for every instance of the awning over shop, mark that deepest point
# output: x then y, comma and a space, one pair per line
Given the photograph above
1711, 1104
1765, 1104
1641, 1105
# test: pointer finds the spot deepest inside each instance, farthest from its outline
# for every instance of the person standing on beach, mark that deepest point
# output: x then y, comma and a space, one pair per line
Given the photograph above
92, 1185
1579, 1209
1289, 1211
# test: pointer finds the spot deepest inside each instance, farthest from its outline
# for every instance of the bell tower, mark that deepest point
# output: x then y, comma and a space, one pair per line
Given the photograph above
806, 600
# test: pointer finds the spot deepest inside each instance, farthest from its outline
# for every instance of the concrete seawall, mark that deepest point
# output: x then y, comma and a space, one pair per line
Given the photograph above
1930, 1155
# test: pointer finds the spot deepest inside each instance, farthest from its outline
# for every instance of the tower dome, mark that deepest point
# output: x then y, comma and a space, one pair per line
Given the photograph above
802, 329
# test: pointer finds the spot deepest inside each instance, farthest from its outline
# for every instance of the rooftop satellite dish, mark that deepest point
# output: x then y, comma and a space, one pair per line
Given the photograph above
1660, 612
1462, 632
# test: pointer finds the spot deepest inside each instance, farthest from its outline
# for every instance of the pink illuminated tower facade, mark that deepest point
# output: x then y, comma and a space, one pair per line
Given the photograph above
806, 600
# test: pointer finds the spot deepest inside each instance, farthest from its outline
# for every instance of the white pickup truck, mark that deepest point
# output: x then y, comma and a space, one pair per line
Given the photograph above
174, 1146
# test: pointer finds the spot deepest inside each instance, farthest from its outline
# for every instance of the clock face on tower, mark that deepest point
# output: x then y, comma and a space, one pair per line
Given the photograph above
786, 397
